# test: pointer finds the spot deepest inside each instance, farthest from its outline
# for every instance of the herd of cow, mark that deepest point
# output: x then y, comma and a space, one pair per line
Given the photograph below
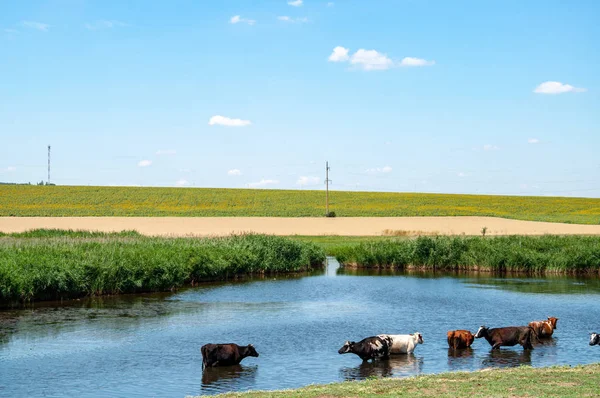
384, 345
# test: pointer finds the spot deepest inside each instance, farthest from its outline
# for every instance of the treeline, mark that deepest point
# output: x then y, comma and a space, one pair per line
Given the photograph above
562, 254
53, 265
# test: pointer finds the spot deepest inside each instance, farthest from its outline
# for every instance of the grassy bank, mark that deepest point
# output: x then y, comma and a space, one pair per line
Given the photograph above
49, 265
58, 201
563, 381
561, 254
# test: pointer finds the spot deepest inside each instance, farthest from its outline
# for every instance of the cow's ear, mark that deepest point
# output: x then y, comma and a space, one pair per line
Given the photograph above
250, 345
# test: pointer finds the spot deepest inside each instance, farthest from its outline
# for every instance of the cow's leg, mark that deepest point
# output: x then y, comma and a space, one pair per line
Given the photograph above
496, 346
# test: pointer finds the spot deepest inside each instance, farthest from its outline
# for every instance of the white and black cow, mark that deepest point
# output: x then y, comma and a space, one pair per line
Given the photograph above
402, 343
225, 354
373, 347
595, 339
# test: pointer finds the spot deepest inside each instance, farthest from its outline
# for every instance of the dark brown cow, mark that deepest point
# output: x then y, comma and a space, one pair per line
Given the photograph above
225, 354
460, 338
375, 347
544, 328
507, 336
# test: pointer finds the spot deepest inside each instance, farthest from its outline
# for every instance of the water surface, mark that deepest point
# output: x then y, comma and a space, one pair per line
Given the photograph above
149, 345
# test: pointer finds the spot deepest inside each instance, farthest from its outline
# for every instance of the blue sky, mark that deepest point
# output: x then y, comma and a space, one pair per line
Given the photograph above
497, 97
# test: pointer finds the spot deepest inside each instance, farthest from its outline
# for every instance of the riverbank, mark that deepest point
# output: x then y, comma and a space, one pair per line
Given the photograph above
561, 381
58, 265
86, 201
313, 226
532, 255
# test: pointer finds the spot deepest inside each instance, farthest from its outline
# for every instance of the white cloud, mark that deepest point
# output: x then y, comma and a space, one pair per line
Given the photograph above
225, 121
182, 183
374, 60
330, 4
144, 163
36, 25
533, 141
263, 183
371, 60
9, 169
339, 54
490, 147
385, 169
307, 181
557, 88
410, 61
285, 18
105, 24
185, 170
10, 31
295, 3
234, 172
461, 174
238, 19
161, 152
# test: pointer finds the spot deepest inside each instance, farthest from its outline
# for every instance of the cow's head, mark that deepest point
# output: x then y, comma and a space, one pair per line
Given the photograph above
347, 347
594, 339
552, 321
251, 351
482, 332
418, 337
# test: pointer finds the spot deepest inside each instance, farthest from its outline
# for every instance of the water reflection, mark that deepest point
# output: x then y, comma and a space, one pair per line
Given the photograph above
507, 358
399, 365
224, 378
509, 281
460, 352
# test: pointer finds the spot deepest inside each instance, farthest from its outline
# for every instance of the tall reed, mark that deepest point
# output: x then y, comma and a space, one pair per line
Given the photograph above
49, 265
562, 254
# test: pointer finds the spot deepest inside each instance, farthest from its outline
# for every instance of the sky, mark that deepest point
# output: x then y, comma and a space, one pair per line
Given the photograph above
483, 97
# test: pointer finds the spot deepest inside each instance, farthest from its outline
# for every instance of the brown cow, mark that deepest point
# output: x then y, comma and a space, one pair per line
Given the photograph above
460, 339
225, 354
544, 328
507, 336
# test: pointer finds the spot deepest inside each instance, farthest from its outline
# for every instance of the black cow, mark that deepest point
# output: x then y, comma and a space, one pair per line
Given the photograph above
507, 336
225, 354
373, 347
595, 339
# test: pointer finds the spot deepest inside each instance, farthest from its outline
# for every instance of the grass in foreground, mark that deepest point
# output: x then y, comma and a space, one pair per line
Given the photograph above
563, 381
52, 265
59, 201
530, 254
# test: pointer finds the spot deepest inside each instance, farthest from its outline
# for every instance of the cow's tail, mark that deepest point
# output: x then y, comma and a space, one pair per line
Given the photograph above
534, 336
204, 354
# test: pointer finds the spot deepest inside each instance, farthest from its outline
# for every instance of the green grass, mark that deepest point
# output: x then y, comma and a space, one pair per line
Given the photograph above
559, 381
51, 265
561, 254
58, 201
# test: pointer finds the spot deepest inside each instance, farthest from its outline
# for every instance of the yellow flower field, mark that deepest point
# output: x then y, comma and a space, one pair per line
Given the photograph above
58, 201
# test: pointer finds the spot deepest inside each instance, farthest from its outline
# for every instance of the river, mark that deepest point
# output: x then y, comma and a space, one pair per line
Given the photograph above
149, 345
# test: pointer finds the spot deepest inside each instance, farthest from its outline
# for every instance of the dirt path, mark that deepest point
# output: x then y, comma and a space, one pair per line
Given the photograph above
355, 226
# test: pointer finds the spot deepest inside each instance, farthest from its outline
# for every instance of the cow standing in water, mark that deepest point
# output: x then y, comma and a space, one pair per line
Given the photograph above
507, 336
373, 348
402, 343
544, 328
595, 339
460, 339
225, 354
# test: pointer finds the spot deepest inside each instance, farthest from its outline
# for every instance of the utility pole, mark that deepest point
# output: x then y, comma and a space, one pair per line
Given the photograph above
327, 181
48, 165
